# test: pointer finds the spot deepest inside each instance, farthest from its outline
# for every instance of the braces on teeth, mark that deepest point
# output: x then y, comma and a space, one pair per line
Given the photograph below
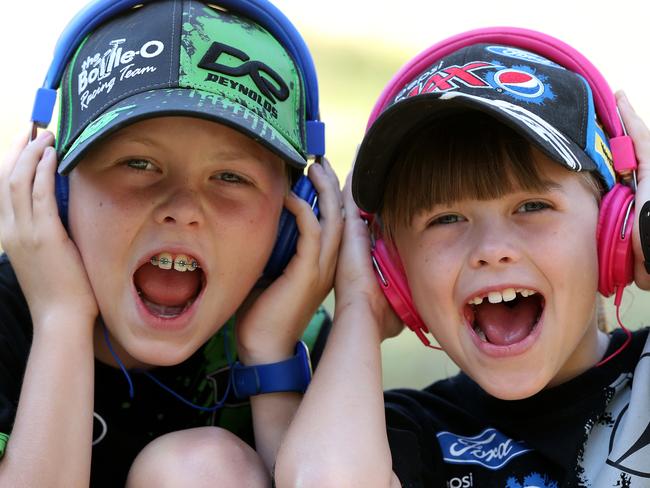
180, 263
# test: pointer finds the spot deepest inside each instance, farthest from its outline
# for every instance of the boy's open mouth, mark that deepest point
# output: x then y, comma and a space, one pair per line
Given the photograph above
505, 317
169, 283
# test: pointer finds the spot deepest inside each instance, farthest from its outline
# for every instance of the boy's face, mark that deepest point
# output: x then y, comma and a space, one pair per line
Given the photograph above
455, 255
177, 189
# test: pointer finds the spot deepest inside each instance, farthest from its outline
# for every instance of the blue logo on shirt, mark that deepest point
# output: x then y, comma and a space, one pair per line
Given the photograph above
533, 480
490, 448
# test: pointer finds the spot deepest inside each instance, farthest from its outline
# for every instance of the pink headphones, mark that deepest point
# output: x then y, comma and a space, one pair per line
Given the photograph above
614, 232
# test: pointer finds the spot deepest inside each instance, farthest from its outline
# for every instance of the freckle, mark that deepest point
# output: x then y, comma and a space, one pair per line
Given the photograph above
101, 204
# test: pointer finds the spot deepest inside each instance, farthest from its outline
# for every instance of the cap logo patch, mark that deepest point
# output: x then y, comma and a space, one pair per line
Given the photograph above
271, 85
97, 71
519, 83
513, 52
444, 79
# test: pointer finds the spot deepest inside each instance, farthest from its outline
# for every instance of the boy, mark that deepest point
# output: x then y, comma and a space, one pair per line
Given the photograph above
495, 232
175, 194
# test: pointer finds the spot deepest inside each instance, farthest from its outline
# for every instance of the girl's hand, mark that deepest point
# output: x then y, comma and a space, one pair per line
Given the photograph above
273, 320
46, 261
640, 135
356, 284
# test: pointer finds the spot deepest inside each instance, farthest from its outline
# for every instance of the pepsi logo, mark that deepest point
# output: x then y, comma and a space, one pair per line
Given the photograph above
519, 83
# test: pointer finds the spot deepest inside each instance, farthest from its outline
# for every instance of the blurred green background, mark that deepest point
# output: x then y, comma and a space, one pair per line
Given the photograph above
357, 46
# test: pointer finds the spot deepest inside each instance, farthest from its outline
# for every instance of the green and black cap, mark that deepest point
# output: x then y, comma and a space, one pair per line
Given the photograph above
182, 58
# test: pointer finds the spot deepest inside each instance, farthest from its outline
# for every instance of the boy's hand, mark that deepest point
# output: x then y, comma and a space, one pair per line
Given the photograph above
640, 134
46, 261
273, 320
356, 283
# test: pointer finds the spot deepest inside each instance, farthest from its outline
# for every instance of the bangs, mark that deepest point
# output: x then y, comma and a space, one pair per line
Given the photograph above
468, 155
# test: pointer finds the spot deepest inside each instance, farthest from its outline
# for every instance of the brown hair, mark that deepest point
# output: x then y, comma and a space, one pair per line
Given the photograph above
465, 155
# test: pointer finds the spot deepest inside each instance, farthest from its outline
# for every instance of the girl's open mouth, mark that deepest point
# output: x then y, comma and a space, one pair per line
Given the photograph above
506, 317
169, 284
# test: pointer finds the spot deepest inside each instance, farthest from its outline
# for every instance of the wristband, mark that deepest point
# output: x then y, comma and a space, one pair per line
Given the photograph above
293, 374
644, 231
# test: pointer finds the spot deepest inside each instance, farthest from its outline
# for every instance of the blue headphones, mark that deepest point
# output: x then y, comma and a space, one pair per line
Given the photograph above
260, 11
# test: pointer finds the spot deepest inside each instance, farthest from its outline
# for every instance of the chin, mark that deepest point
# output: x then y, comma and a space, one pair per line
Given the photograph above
513, 387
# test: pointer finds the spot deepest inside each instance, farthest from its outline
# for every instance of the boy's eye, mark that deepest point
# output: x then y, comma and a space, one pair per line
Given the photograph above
446, 219
534, 206
140, 164
229, 177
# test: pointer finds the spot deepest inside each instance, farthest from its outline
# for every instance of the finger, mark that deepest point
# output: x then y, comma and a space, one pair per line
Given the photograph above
353, 221
327, 184
309, 230
331, 221
44, 200
21, 179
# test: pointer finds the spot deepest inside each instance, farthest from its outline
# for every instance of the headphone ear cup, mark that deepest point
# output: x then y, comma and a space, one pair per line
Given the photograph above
285, 244
393, 283
61, 192
614, 240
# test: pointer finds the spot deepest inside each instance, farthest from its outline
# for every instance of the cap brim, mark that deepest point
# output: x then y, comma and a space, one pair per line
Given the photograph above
181, 102
377, 151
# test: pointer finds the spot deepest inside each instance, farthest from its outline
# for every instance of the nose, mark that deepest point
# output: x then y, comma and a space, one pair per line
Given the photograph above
493, 245
181, 206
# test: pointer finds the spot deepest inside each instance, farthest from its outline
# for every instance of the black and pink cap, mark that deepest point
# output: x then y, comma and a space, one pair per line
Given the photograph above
547, 104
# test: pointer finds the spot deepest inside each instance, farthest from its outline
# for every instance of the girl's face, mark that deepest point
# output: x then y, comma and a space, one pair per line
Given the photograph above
508, 286
151, 200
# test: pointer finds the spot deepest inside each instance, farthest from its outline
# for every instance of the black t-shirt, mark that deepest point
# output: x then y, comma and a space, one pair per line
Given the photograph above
124, 425
592, 431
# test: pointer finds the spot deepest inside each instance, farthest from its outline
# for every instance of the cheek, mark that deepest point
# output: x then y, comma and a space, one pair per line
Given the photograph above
249, 233
431, 271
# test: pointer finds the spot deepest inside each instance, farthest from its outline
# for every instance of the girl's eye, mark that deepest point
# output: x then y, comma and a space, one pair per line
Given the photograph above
534, 206
447, 219
141, 164
230, 177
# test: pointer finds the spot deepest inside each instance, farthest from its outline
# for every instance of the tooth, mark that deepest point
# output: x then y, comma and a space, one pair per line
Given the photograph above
494, 297
526, 293
509, 294
478, 300
192, 265
165, 260
181, 263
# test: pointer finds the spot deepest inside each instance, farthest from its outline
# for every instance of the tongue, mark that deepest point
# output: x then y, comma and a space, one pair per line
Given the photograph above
167, 287
504, 325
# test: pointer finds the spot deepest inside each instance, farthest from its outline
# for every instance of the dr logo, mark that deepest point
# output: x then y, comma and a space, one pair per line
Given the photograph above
533, 480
